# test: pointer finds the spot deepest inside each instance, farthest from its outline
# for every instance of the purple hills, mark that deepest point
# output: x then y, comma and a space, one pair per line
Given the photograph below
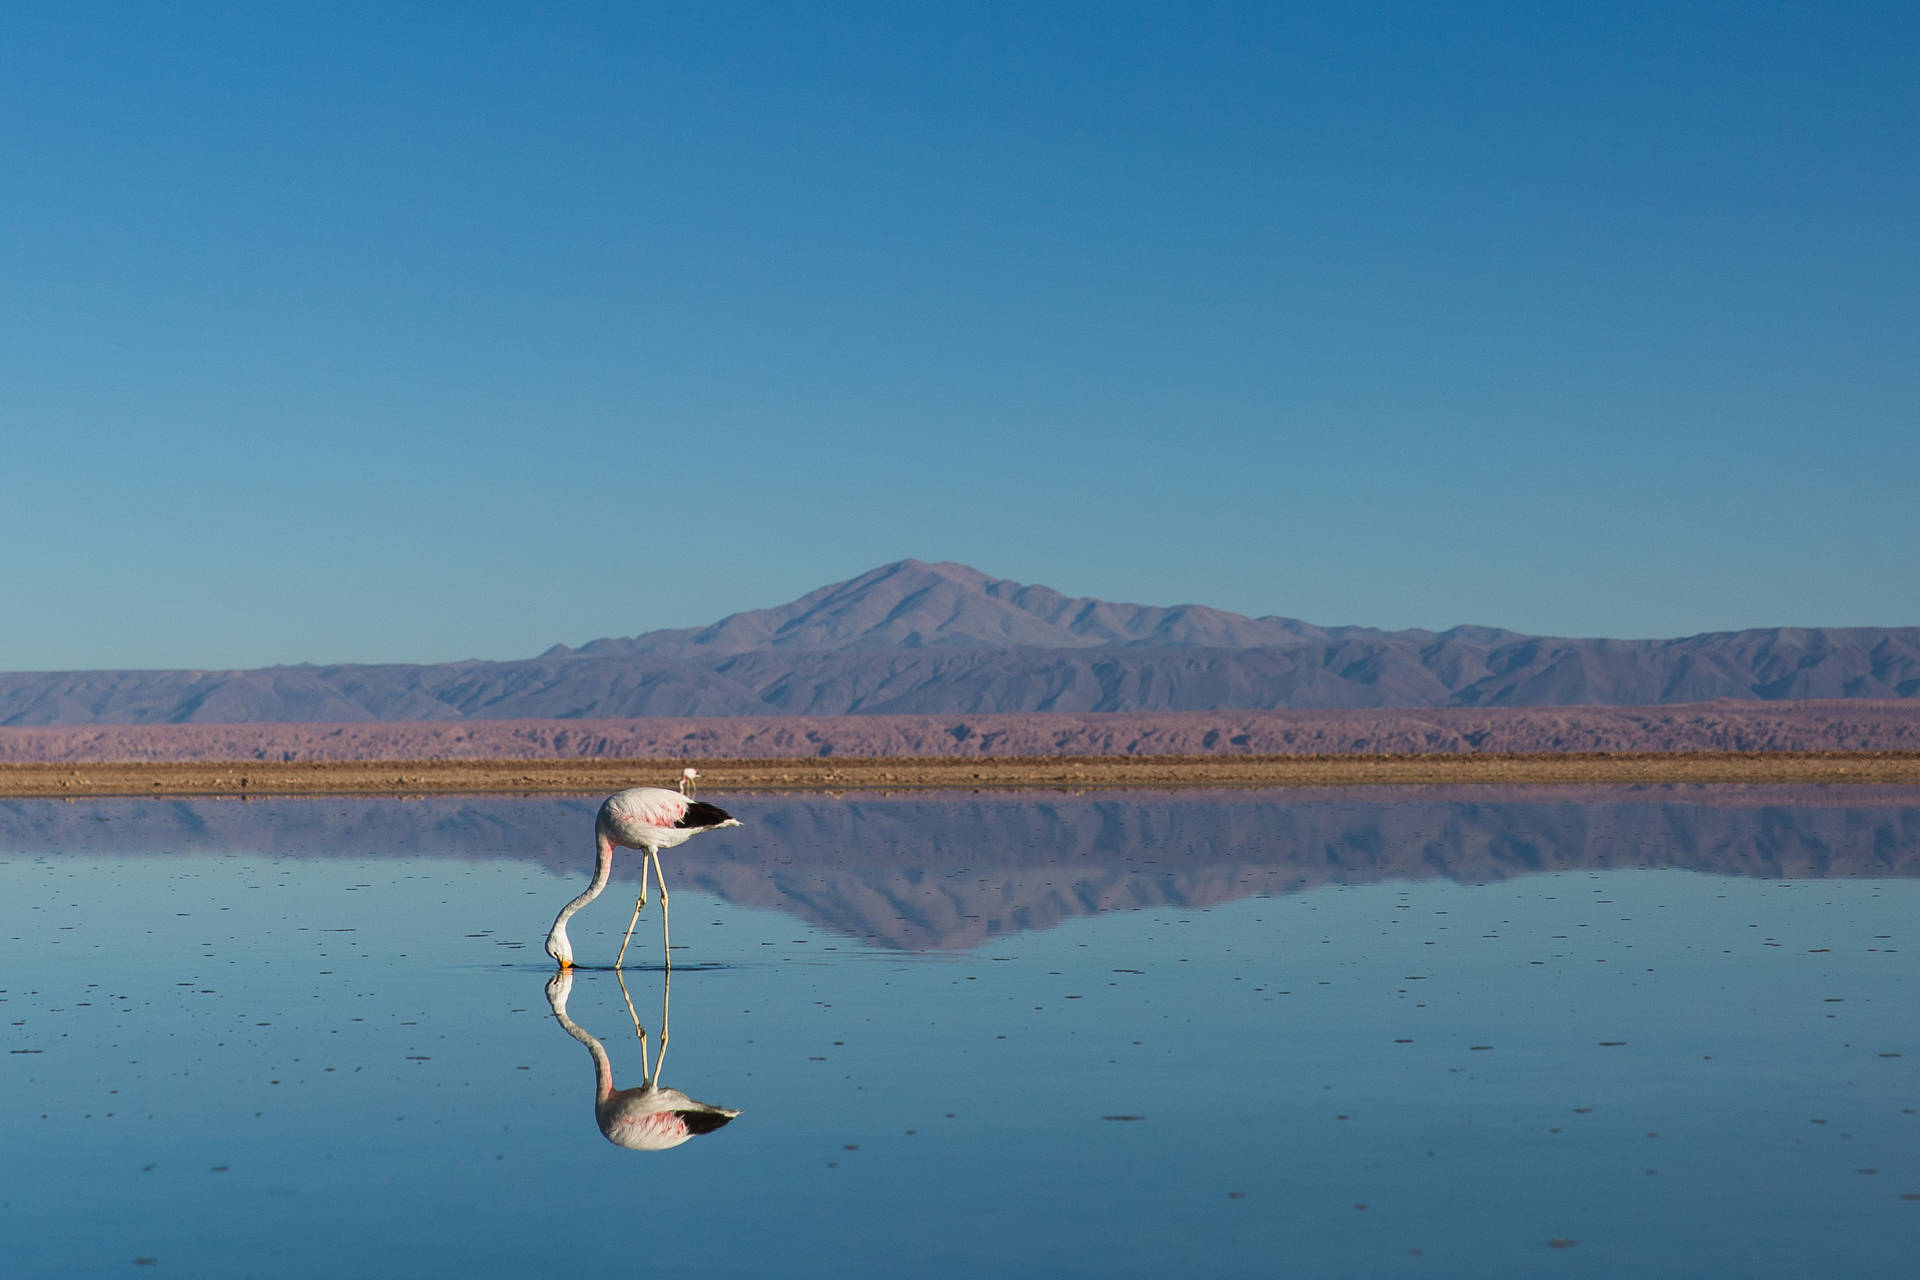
913, 638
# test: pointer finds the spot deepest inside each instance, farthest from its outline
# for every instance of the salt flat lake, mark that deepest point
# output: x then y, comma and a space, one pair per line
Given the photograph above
1425, 1032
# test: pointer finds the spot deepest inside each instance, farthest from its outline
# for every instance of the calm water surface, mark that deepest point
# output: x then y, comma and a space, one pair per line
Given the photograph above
1428, 1032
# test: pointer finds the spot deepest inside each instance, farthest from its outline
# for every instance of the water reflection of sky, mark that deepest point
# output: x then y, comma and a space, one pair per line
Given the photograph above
237, 1046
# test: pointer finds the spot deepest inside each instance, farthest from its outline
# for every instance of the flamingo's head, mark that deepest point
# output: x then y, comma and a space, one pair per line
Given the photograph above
559, 947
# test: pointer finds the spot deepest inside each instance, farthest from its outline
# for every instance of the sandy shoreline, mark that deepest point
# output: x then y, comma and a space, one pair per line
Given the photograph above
429, 777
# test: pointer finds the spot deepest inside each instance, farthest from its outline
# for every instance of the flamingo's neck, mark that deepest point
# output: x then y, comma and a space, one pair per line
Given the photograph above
602, 869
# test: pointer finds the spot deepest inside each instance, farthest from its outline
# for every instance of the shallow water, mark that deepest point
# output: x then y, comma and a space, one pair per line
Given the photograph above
1657, 1032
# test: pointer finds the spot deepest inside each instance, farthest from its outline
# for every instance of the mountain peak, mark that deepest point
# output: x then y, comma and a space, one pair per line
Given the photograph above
951, 569
919, 604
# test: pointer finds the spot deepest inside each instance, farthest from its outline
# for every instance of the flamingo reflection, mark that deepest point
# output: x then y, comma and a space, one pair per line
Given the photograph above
650, 1117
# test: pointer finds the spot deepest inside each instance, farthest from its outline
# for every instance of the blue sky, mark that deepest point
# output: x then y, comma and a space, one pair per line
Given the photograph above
418, 332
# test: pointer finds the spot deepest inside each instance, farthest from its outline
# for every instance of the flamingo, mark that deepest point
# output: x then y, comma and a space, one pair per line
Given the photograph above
648, 819
688, 776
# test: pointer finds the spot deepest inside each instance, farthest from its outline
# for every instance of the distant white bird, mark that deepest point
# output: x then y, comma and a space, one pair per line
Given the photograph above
648, 819
651, 1117
687, 779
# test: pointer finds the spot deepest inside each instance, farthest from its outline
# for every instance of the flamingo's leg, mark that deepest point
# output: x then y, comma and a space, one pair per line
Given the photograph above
666, 937
636, 920
636, 909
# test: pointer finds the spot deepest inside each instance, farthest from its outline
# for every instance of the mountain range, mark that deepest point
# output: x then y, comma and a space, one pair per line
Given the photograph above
945, 639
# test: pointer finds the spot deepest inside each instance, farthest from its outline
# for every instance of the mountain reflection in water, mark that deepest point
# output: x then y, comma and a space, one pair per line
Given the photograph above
946, 871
